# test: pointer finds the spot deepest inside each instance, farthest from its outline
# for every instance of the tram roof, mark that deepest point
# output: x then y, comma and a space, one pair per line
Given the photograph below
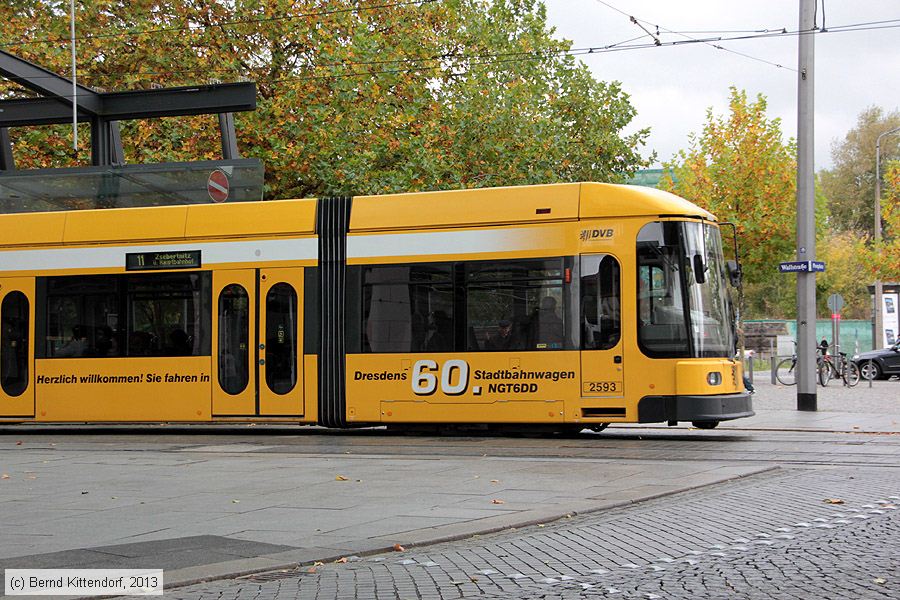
520, 204
458, 208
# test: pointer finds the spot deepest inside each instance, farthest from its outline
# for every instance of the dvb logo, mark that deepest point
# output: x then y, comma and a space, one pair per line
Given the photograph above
588, 235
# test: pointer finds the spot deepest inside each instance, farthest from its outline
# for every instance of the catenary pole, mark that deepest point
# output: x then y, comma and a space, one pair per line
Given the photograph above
806, 223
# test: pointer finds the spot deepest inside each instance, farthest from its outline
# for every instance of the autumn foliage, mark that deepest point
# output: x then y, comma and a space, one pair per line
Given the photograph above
741, 170
354, 97
886, 256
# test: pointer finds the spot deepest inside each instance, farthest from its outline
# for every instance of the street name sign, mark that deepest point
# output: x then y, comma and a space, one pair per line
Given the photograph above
802, 266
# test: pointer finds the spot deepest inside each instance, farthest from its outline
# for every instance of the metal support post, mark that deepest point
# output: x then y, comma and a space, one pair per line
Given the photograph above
7, 162
806, 223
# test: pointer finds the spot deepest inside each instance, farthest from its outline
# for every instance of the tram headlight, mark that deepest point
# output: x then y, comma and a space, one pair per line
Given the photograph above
714, 378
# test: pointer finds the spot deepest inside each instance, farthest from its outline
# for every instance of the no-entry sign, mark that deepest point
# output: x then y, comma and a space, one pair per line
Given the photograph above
217, 186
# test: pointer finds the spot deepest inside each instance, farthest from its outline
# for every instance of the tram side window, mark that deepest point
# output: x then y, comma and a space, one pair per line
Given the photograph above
601, 325
168, 315
164, 314
515, 305
408, 308
281, 338
82, 317
234, 339
661, 314
14, 344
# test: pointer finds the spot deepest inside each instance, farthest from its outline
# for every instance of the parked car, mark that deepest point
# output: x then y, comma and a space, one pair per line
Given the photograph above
884, 362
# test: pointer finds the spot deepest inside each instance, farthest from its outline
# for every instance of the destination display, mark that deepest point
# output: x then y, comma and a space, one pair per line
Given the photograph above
149, 261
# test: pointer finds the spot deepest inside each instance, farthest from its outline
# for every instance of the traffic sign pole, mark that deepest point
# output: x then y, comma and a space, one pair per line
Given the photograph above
836, 303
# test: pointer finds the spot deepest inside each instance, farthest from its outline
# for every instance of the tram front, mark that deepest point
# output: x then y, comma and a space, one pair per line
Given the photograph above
686, 320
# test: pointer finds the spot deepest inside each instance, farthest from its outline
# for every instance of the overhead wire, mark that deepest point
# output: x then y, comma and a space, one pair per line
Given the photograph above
638, 22
513, 56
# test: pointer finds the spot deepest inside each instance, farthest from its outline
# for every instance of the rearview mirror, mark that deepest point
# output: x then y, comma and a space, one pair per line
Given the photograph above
734, 273
699, 269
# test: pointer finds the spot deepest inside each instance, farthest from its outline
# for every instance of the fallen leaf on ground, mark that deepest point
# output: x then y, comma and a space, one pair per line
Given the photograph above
880, 580
497, 501
4, 476
495, 481
341, 560
399, 548
318, 564
235, 501
19, 443
340, 478
833, 501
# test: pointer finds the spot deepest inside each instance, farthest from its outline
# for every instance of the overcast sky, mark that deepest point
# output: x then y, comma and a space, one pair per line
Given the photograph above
672, 87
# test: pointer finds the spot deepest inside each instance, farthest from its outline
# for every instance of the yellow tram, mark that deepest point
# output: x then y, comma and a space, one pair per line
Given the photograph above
571, 305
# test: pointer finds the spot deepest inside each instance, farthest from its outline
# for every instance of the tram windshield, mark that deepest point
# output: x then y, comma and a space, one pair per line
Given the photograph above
684, 303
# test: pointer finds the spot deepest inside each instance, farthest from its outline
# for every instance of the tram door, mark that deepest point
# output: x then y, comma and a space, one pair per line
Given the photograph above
257, 330
16, 347
602, 358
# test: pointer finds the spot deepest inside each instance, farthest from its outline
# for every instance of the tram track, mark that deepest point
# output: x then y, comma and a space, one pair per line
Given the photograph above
790, 449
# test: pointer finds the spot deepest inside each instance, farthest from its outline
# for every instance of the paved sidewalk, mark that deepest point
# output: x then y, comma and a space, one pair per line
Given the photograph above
209, 511
861, 409
767, 536
206, 504
857, 409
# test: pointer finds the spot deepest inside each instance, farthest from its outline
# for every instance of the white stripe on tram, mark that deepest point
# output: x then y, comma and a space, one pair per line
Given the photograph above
358, 246
443, 242
114, 256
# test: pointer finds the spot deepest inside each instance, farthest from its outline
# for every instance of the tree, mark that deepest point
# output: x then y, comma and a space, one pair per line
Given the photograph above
850, 184
739, 169
848, 272
354, 97
884, 260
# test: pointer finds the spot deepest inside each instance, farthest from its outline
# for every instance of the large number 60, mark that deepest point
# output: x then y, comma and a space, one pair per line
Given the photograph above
424, 382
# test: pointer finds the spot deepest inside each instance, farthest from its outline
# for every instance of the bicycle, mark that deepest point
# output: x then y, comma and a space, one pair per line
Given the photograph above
841, 368
786, 374
785, 371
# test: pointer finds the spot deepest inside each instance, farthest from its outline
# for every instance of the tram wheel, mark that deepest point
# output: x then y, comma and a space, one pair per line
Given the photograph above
705, 424
598, 427
575, 430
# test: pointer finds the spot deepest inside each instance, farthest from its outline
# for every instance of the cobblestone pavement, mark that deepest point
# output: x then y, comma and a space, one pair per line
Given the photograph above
881, 397
789, 533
